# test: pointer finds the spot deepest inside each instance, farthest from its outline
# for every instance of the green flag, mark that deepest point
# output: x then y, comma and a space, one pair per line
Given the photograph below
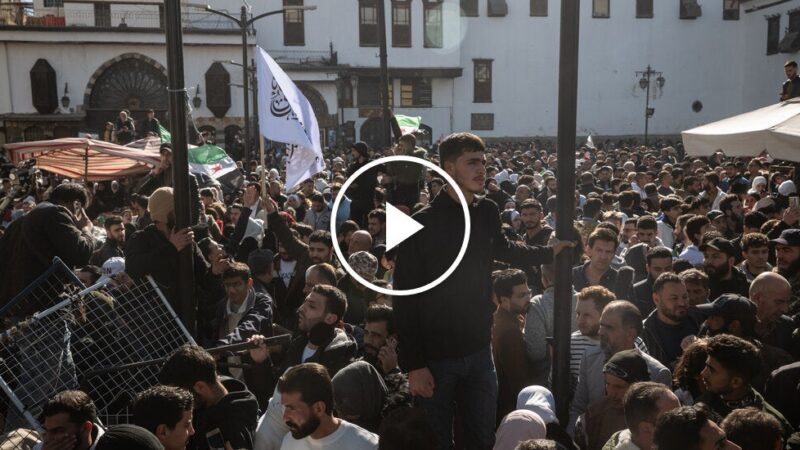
165, 134
408, 124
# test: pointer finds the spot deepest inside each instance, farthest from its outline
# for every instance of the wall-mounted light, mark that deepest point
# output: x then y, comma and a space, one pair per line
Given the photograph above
643, 83
661, 81
65, 99
196, 101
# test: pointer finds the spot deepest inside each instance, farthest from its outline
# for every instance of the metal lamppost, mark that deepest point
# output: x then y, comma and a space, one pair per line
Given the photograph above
644, 83
244, 24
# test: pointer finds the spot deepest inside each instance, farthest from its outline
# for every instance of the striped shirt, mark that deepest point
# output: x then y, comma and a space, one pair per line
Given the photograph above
578, 345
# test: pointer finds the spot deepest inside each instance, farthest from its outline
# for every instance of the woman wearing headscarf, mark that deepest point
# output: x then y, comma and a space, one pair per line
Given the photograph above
359, 394
519, 426
540, 401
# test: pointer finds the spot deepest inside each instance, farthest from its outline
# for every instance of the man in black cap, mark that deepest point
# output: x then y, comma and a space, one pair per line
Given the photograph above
362, 189
787, 263
790, 87
719, 257
737, 316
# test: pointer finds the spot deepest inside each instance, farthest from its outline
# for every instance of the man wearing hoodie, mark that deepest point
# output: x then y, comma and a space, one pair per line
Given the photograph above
225, 411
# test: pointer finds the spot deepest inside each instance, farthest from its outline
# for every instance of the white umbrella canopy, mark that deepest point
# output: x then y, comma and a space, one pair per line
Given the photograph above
774, 128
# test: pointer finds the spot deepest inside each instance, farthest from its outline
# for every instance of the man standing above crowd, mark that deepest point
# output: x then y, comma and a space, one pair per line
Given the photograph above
124, 128
790, 87
151, 125
450, 360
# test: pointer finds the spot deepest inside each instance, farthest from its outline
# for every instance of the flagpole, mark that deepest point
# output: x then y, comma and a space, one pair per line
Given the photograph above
263, 168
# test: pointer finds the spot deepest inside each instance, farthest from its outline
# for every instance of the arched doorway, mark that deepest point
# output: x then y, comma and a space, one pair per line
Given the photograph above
372, 133
130, 81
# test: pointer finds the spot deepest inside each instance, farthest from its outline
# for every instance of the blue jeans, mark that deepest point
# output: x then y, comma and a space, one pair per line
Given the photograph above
468, 383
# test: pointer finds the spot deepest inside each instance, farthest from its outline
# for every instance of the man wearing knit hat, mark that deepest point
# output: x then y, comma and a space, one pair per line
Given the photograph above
154, 250
607, 416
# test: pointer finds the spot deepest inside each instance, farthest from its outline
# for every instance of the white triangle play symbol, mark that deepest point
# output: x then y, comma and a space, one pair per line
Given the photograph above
399, 226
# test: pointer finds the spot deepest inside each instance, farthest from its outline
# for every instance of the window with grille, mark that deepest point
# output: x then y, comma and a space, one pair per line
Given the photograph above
773, 34
690, 9
368, 23
416, 92
469, 8
601, 9
293, 24
730, 10
791, 41
102, 15
53, 3
401, 23
432, 33
369, 91
539, 8
644, 9
482, 81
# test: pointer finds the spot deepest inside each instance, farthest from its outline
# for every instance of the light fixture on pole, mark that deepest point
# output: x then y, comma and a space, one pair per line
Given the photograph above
197, 101
244, 24
65, 99
644, 83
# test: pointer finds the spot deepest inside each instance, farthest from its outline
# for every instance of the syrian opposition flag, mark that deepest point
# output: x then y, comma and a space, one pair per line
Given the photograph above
285, 115
213, 162
166, 136
408, 124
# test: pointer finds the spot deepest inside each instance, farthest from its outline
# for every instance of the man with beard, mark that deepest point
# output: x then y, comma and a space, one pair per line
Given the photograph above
376, 225
536, 233
711, 191
591, 301
165, 411
306, 394
224, 409
736, 315
620, 325
787, 262
320, 247
691, 186
719, 258
115, 242
732, 208
319, 216
731, 367
380, 350
665, 329
659, 260
69, 421
508, 340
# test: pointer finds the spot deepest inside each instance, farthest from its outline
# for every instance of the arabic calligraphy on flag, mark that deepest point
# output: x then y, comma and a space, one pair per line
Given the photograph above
285, 115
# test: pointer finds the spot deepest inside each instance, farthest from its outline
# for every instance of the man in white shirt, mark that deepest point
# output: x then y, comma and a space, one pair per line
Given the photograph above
695, 228
307, 397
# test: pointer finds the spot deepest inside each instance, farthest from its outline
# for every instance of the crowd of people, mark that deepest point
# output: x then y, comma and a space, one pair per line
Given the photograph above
686, 302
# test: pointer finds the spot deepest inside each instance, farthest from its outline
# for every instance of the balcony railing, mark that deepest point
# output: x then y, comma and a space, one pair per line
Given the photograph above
115, 20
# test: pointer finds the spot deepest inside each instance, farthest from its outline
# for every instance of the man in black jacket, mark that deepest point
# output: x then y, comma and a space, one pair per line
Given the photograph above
151, 125
124, 128
446, 331
719, 259
659, 260
362, 192
225, 411
115, 241
154, 250
665, 328
54, 228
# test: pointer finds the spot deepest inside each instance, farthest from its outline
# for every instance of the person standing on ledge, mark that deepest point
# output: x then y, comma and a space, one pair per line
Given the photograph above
446, 331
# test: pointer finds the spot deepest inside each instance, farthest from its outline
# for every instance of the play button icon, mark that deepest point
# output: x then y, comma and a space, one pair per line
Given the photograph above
399, 226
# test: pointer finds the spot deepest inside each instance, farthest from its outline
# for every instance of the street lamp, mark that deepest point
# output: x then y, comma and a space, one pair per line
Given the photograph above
244, 23
644, 83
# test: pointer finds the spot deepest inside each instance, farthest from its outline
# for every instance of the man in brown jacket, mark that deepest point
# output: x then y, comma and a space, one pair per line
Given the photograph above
508, 341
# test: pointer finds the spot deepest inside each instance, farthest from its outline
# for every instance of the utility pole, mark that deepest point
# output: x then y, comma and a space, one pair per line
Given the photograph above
565, 208
644, 83
387, 128
245, 75
187, 304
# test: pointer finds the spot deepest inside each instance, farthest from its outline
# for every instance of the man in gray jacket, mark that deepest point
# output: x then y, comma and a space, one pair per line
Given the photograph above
620, 325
